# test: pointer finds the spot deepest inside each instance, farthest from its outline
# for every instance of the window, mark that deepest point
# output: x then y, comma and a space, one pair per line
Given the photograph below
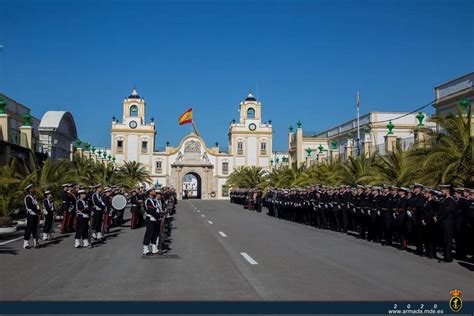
225, 191
158, 166
251, 113
120, 146
263, 148
240, 148
133, 110
144, 146
225, 167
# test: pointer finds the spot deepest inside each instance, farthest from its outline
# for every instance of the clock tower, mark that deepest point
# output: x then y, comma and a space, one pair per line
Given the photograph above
133, 139
250, 140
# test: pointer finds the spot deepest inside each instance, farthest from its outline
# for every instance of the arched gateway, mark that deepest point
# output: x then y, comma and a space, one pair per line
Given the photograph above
192, 186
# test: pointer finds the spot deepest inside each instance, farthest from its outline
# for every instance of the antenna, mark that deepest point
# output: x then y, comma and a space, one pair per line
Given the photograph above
257, 91
2, 64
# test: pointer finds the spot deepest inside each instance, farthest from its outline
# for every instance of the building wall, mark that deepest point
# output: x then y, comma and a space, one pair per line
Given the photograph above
448, 95
208, 163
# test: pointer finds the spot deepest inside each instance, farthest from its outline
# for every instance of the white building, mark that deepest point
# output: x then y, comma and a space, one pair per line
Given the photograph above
57, 130
450, 94
341, 141
250, 144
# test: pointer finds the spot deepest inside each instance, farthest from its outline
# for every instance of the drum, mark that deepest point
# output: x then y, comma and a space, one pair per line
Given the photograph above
119, 202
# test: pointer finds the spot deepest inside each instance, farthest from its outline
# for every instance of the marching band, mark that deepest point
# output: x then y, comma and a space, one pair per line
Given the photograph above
91, 213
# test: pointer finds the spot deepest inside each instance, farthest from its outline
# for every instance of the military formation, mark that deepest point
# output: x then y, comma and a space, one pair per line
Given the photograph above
90, 213
429, 220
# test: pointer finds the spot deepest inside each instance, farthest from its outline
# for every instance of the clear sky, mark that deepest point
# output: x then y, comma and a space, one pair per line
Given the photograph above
307, 58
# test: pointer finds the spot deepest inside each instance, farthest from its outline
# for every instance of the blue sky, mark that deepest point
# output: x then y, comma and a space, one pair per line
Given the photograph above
308, 59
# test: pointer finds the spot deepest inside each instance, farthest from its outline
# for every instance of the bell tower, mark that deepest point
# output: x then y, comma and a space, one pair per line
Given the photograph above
250, 109
133, 108
133, 139
250, 139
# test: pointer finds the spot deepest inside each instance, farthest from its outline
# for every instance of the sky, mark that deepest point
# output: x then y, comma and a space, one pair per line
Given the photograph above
304, 60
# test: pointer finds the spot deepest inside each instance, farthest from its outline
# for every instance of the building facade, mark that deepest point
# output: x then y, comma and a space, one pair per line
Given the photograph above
450, 94
192, 167
57, 130
26, 137
380, 132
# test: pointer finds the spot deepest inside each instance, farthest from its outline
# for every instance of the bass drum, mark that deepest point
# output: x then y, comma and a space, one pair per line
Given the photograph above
119, 202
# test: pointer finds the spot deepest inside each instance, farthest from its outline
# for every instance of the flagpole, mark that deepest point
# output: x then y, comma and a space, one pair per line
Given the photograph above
358, 124
195, 128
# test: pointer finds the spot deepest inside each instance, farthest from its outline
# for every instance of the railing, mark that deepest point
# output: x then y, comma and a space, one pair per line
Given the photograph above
14, 137
379, 149
406, 143
240, 152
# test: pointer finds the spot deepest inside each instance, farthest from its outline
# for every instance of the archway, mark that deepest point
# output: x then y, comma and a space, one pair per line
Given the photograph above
191, 186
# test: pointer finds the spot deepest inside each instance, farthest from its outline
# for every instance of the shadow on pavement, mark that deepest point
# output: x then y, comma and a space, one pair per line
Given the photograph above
55, 241
466, 265
7, 250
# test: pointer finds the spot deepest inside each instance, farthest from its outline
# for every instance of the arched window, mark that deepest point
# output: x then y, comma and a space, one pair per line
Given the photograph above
133, 110
251, 113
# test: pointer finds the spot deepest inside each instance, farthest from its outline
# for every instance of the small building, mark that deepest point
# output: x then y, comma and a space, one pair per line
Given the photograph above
449, 94
57, 131
19, 135
24, 136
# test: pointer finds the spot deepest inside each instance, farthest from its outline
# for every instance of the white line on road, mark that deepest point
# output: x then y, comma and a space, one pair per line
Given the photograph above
222, 234
198, 211
248, 258
203, 215
210, 222
9, 241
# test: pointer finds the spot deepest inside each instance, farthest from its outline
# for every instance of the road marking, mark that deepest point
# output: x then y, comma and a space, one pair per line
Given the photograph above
210, 222
198, 211
203, 215
9, 241
222, 234
248, 258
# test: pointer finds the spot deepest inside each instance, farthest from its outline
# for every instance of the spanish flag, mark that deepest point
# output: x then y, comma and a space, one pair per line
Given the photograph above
186, 117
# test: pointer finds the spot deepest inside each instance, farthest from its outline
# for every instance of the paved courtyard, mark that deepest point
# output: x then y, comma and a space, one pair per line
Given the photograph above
219, 251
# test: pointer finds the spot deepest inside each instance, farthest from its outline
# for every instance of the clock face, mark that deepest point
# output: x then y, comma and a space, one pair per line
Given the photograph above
252, 127
133, 124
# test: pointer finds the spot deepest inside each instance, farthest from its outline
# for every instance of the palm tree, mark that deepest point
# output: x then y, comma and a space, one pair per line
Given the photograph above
132, 173
81, 171
447, 156
248, 177
12, 182
358, 170
51, 175
106, 174
397, 168
327, 173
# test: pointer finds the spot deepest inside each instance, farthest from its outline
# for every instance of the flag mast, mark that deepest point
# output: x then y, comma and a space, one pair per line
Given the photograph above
358, 123
195, 128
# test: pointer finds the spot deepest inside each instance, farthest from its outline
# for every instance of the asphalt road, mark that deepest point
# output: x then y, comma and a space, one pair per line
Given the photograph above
219, 251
